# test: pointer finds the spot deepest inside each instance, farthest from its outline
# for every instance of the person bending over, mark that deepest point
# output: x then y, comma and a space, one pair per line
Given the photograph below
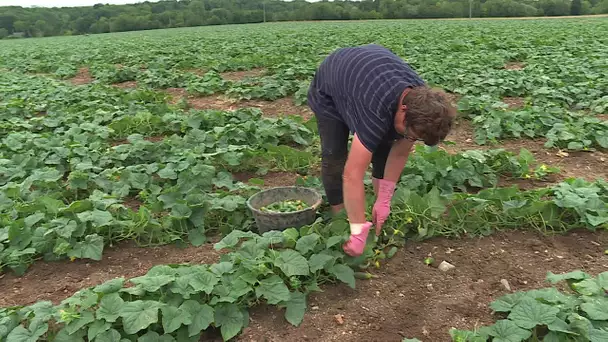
372, 93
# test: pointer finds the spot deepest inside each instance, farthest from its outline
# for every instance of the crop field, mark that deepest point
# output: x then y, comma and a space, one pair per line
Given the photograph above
126, 161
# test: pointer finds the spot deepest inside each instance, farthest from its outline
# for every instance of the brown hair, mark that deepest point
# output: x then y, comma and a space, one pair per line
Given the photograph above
429, 113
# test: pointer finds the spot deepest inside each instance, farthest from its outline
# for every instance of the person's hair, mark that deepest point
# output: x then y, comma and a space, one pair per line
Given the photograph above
429, 113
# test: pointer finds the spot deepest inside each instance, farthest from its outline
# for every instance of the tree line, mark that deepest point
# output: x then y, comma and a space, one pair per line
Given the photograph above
18, 22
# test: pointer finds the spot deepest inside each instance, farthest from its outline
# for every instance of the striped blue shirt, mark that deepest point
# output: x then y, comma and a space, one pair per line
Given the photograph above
361, 86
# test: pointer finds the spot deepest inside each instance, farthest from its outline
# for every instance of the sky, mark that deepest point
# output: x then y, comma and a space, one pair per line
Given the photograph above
64, 3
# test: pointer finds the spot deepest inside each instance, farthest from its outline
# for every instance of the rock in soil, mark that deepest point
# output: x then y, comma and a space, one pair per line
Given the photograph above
505, 283
339, 319
445, 266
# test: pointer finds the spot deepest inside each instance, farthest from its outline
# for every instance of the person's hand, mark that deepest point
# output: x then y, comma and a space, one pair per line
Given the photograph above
382, 207
358, 237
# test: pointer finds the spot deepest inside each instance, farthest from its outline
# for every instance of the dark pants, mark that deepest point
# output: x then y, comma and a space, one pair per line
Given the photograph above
334, 151
334, 145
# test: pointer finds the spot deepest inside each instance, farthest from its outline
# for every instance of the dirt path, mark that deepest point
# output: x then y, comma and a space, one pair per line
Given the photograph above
56, 281
409, 299
280, 107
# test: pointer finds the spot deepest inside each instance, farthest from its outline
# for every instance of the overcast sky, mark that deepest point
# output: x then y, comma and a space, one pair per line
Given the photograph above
64, 3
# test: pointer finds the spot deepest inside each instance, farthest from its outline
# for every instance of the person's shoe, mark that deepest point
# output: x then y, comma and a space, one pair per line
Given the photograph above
356, 243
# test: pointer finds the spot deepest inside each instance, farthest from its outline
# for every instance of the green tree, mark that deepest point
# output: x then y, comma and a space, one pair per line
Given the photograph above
7, 22
222, 13
585, 7
21, 26
507, 8
122, 23
83, 24
3, 33
101, 26
555, 7
601, 7
215, 20
41, 28
576, 7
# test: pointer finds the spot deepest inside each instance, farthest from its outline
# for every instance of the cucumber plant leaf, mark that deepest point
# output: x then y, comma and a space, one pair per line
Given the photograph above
230, 319
295, 308
529, 313
292, 263
110, 307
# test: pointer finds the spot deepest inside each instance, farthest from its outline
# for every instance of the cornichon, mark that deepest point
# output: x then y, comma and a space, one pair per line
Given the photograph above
287, 206
365, 275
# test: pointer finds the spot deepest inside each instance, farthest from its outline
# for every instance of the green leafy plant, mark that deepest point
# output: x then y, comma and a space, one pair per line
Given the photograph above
562, 128
572, 204
549, 314
85, 166
178, 302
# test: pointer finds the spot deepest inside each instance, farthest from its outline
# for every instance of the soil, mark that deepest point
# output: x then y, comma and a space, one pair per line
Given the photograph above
409, 299
82, 77
155, 138
56, 281
515, 66
243, 74
132, 203
280, 107
454, 98
126, 85
176, 94
587, 165
199, 72
271, 179
119, 142
514, 102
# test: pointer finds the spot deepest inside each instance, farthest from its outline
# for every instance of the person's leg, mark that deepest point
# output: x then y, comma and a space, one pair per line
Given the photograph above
334, 144
334, 151
379, 158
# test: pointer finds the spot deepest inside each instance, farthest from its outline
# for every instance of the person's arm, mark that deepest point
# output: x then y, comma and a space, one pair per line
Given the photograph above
397, 158
395, 163
357, 163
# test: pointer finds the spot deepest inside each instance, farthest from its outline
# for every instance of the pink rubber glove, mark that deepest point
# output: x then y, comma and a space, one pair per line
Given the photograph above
382, 207
358, 236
